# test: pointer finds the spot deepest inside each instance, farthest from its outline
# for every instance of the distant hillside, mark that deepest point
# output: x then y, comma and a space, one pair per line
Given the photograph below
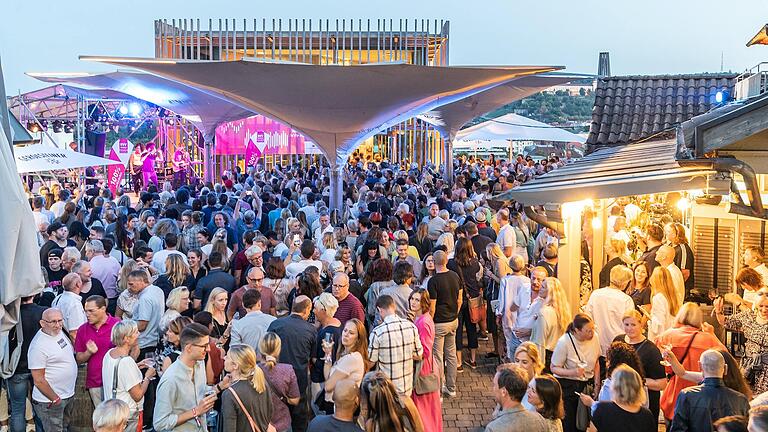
558, 109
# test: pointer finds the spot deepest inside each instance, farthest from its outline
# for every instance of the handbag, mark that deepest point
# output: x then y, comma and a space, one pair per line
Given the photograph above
477, 309
583, 412
427, 383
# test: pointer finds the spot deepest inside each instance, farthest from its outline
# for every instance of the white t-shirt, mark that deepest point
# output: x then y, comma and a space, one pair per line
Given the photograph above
566, 357
352, 364
661, 319
295, 268
607, 306
56, 355
128, 375
158, 259
509, 289
208, 248
71, 307
506, 237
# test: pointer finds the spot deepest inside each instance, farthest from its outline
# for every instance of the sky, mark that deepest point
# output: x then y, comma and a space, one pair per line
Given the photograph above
643, 37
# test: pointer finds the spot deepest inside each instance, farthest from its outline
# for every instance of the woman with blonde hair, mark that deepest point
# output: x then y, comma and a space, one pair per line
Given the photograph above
281, 380
446, 240
626, 405
219, 244
664, 303
329, 247
247, 399
499, 268
177, 303
382, 409
177, 273
554, 317
421, 240
217, 306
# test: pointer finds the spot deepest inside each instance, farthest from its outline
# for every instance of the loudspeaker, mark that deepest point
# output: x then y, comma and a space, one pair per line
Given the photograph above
95, 143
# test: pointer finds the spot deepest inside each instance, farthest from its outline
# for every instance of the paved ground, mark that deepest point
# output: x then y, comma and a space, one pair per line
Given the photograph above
471, 409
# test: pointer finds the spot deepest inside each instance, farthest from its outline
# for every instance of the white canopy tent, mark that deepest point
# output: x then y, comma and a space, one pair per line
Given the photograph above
19, 258
516, 127
337, 107
450, 118
41, 157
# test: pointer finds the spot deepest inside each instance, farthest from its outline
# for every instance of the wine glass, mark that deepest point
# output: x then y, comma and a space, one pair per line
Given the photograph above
667, 347
582, 365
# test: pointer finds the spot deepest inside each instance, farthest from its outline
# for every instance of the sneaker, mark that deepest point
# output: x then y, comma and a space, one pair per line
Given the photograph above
460, 369
483, 337
449, 393
492, 355
471, 364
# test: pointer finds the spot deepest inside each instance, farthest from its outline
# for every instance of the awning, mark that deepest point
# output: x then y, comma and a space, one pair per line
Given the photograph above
40, 157
631, 169
516, 127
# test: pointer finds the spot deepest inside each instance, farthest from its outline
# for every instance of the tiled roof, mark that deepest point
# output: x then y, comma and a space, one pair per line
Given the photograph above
630, 108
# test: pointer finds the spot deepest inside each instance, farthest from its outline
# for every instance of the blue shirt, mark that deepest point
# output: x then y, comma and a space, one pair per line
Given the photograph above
150, 308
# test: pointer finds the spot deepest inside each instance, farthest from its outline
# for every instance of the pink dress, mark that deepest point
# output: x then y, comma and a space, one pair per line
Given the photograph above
428, 404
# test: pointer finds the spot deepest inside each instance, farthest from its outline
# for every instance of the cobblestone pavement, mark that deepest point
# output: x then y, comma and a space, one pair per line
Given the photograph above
471, 409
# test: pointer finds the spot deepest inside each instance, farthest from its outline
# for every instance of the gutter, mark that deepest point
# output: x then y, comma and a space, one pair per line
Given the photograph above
755, 207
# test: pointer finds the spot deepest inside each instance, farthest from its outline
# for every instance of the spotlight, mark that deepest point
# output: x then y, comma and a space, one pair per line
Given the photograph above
719, 97
33, 127
123, 110
135, 109
44, 124
57, 126
69, 127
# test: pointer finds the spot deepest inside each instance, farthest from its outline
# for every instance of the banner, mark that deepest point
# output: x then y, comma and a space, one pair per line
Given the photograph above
120, 152
257, 136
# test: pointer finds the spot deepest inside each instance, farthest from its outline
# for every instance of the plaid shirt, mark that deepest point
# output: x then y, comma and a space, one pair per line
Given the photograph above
392, 346
189, 234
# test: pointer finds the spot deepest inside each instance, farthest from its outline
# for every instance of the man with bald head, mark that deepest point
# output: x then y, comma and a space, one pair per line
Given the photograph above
665, 256
298, 337
51, 360
346, 399
699, 406
70, 303
349, 306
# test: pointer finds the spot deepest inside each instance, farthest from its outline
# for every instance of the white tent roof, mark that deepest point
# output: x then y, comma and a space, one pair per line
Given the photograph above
40, 157
206, 112
451, 117
337, 107
516, 127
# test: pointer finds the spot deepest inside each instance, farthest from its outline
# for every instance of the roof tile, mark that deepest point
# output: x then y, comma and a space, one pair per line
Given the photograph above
630, 108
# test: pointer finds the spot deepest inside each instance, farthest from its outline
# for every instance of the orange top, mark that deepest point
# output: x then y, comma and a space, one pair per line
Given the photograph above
679, 338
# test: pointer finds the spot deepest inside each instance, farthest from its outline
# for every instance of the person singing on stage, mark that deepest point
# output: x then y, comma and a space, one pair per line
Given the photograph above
180, 164
148, 168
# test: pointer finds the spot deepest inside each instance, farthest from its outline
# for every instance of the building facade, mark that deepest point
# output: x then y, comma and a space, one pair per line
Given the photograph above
321, 42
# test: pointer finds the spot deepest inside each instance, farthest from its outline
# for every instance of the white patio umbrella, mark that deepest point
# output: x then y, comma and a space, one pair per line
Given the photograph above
40, 157
518, 128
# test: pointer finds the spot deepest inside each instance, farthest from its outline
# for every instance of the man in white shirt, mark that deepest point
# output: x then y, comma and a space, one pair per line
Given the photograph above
528, 304
324, 222
158, 259
507, 239
57, 208
70, 304
54, 372
665, 256
506, 310
307, 251
608, 305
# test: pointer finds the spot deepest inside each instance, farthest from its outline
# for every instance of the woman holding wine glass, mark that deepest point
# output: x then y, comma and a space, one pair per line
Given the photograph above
351, 360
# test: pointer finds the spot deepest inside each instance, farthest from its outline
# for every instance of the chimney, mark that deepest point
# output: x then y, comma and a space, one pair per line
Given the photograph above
604, 65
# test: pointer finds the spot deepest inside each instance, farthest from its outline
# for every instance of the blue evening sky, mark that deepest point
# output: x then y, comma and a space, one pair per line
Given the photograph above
643, 37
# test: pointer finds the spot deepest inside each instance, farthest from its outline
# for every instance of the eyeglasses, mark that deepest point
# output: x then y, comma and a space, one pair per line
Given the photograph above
340, 286
203, 346
61, 321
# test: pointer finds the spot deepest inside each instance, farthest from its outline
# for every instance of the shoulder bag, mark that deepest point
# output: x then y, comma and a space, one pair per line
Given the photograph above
583, 412
424, 384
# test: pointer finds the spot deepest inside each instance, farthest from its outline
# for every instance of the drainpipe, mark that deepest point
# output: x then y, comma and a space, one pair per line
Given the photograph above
755, 208
541, 219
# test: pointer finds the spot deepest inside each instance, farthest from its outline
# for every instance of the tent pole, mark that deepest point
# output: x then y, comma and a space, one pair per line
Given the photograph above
207, 160
337, 185
448, 158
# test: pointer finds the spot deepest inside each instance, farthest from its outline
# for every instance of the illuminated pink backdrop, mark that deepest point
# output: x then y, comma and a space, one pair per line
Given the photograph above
261, 133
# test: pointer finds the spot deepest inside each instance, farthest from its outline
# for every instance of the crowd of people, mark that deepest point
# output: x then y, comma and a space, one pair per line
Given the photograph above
251, 305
